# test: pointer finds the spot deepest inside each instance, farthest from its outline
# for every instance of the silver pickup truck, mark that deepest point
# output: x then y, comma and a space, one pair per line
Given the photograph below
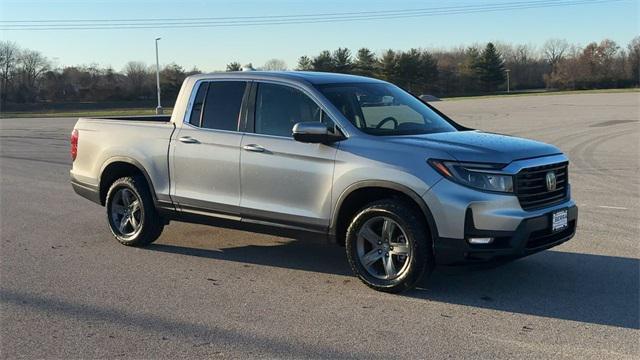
353, 159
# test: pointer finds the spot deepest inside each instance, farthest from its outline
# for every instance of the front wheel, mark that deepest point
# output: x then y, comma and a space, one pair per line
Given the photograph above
388, 246
132, 216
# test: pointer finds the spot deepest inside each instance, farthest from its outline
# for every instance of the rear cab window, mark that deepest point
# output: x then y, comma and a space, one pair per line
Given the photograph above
217, 105
196, 109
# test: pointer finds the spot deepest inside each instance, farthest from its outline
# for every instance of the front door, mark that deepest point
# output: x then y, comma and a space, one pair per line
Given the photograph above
205, 154
283, 180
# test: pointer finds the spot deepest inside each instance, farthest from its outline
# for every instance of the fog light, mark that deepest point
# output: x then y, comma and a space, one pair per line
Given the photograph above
480, 240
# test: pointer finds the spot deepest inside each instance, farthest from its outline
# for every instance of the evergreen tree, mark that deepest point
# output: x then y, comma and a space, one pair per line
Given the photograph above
427, 73
171, 78
417, 71
234, 66
342, 61
323, 62
304, 64
388, 66
491, 66
365, 63
408, 67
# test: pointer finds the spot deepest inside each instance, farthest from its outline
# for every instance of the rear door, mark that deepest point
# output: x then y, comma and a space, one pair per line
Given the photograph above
283, 180
206, 150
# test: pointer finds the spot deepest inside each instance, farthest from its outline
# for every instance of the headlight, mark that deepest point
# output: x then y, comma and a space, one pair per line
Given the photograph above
476, 175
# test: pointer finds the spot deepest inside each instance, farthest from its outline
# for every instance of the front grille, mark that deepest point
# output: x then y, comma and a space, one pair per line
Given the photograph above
531, 186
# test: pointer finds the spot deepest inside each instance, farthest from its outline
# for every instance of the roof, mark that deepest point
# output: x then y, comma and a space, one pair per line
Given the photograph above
312, 77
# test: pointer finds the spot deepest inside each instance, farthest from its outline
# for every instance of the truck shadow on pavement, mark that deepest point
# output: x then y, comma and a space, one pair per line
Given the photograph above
595, 289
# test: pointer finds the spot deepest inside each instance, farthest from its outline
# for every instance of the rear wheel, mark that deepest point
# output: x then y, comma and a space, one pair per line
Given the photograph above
132, 216
388, 246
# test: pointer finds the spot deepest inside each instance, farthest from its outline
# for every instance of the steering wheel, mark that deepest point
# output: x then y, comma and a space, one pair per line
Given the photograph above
386, 120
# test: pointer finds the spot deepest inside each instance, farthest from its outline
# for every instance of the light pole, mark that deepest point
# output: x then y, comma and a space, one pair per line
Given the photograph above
508, 85
159, 108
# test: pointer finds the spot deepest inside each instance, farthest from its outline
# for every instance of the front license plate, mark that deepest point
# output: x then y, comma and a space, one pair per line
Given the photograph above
559, 220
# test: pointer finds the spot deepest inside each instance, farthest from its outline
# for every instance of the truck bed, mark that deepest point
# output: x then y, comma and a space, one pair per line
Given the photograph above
140, 140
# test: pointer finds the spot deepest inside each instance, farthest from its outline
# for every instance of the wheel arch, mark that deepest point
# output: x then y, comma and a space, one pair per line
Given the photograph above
353, 198
117, 167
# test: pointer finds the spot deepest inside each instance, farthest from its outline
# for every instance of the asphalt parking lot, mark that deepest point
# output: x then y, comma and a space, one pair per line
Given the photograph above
69, 290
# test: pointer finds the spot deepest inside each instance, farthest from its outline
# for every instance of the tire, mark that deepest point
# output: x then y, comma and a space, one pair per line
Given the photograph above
396, 235
131, 214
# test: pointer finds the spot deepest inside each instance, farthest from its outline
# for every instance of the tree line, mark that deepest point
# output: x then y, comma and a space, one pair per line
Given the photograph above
485, 69
27, 76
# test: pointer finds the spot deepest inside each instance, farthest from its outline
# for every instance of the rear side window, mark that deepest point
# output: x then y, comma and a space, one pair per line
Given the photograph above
222, 103
279, 107
196, 110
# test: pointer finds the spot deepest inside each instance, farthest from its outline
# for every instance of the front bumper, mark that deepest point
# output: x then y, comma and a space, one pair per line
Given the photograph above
460, 212
532, 235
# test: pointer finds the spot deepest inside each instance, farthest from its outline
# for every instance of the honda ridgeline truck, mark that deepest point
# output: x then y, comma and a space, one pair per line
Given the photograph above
357, 160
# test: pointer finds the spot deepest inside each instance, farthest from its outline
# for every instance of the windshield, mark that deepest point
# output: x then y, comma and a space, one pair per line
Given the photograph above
384, 109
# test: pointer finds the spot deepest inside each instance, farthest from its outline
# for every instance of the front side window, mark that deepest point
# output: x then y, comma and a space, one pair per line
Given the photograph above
279, 107
384, 109
222, 104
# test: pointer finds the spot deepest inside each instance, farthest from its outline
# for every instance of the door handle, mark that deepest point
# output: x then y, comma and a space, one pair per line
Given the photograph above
188, 140
254, 148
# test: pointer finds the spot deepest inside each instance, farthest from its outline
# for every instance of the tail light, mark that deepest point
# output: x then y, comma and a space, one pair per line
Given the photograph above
74, 144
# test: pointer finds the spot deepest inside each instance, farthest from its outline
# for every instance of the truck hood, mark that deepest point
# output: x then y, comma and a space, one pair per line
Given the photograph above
477, 146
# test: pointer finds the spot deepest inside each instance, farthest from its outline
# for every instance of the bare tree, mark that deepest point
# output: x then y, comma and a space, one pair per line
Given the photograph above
137, 76
9, 54
275, 65
527, 67
32, 65
554, 51
634, 59
598, 59
524, 54
507, 50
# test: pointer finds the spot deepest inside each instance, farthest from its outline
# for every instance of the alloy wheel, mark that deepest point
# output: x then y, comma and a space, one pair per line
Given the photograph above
383, 248
126, 212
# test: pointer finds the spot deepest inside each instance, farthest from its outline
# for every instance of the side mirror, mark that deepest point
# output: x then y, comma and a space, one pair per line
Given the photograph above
311, 132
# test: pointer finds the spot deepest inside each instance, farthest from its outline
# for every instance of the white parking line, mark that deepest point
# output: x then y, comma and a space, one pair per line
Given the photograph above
613, 207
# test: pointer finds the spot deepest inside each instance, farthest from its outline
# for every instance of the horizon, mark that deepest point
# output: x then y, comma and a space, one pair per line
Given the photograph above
616, 20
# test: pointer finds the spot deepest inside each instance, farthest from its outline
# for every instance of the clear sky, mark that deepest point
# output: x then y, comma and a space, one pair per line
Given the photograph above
212, 48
